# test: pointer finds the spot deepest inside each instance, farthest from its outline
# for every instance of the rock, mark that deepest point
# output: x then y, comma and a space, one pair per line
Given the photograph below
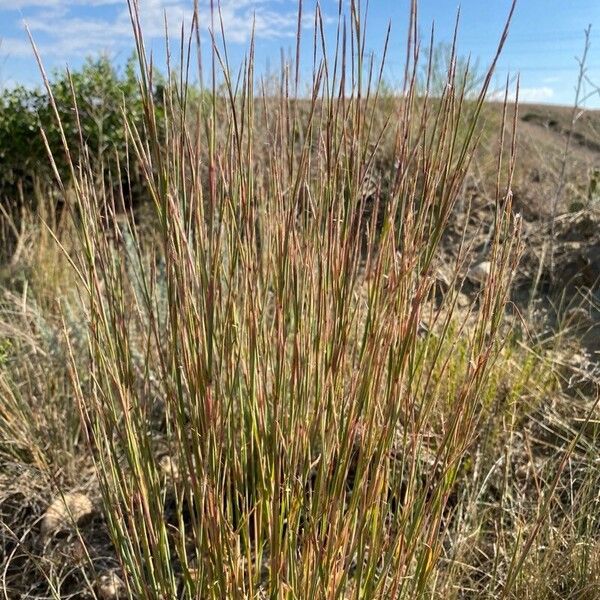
462, 300
65, 511
480, 272
169, 468
110, 586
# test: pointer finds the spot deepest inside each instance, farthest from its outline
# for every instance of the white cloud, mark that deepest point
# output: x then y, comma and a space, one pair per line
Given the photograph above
536, 94
526, 94
62, 32
20, 4
15, 47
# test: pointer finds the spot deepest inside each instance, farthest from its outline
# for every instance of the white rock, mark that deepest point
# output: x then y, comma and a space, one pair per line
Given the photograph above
65, 511
169, 469
462, 300
110, 586
480, 272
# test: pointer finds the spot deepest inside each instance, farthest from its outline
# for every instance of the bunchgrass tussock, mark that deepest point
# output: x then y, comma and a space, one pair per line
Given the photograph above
284, 377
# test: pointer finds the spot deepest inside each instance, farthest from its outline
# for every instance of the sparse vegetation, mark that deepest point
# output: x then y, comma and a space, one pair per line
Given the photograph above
305, 363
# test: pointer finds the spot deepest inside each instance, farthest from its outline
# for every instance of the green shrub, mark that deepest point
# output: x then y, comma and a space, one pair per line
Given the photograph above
100, 92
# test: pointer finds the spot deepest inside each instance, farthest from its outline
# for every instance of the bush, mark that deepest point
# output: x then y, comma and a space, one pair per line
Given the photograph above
100, 91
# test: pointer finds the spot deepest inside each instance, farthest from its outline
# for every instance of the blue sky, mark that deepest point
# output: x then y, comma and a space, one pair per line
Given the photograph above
545, 38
